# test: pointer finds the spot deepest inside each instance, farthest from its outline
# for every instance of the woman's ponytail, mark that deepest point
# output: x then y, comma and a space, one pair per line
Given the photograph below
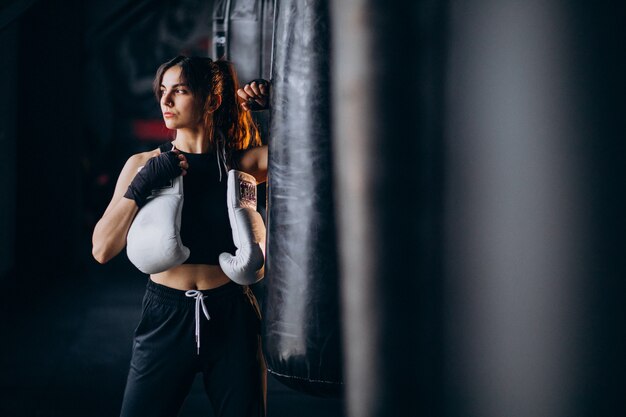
229, 119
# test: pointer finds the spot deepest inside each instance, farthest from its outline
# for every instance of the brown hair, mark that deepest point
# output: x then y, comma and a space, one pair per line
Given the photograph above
208, 79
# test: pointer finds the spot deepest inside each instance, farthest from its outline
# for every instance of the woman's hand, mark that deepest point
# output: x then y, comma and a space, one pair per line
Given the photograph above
157, 172
184, 165
255, 95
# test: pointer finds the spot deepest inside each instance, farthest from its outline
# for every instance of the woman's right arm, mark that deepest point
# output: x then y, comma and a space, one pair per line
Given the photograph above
109, 235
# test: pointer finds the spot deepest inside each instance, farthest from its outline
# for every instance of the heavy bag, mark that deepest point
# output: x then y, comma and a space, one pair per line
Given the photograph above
301, 330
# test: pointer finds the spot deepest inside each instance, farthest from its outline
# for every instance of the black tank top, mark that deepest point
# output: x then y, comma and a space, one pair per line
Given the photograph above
205, 227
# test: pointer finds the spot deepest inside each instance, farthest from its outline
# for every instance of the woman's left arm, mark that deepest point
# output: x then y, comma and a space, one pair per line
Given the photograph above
254, 160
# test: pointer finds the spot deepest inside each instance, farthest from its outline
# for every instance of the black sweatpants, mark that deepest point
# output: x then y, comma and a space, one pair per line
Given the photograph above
165, 356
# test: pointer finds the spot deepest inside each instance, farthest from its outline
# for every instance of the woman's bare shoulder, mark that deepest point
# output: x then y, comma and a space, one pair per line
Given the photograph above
132, 166
139, 159
128, 173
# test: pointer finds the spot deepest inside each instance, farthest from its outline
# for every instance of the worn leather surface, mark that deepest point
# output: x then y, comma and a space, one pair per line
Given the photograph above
242, 32
301, 332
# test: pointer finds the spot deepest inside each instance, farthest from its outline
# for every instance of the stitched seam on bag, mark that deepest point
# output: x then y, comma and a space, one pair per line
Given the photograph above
302, 378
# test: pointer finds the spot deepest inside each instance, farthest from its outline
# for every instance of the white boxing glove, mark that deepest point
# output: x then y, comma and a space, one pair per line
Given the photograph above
247, 266
153, 242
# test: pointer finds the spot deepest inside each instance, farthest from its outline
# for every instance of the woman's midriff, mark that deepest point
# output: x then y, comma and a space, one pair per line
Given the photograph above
192, 277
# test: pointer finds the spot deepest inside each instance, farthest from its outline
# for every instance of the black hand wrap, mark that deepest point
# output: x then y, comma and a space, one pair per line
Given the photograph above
253, 105
157, 172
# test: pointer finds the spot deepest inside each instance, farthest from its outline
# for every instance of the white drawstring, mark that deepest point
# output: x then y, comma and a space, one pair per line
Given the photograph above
199, 302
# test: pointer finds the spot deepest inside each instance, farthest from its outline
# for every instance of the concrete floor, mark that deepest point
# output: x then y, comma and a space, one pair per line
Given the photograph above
66, 353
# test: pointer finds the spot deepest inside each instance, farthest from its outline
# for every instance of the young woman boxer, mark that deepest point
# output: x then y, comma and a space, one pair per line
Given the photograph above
198, 99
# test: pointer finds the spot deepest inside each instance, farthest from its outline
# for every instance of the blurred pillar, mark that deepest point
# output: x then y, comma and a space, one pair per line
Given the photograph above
482, 267
527, 228
387, 90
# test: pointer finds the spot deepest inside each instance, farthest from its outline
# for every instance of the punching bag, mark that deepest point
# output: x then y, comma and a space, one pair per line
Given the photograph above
242, 33
301, 332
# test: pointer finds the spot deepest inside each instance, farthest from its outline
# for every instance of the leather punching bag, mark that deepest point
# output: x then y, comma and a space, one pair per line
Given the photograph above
242, 33
301, 313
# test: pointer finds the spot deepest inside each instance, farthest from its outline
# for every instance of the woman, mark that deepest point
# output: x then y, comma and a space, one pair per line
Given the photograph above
198, 99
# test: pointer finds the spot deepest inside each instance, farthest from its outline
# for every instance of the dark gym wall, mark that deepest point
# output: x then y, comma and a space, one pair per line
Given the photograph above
49, 118
8, 129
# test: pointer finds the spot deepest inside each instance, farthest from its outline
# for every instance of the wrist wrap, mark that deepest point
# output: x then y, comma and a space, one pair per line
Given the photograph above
156, 173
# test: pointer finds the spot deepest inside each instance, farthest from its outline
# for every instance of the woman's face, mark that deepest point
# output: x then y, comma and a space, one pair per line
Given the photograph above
177, 102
